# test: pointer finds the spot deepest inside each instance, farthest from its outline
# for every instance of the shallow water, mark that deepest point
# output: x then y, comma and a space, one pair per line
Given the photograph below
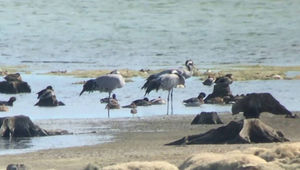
81, 34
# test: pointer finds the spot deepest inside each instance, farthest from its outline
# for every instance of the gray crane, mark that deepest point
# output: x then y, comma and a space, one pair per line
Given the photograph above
106, 83
167, 82
186, 73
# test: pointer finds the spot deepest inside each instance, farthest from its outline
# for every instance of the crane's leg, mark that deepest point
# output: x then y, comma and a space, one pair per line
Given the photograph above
108, 108
172, 101
168, 99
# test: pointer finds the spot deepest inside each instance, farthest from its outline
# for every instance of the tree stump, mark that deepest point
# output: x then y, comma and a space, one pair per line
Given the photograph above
13, 87
207, 118
244, 131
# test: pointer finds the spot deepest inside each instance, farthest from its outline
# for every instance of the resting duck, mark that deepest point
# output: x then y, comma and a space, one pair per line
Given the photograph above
48, 92
113, 104
142, 102
13, 77
132, 105
3, 108
9, 102
105, 100
47, 98
195, 101
209, 81
158, 101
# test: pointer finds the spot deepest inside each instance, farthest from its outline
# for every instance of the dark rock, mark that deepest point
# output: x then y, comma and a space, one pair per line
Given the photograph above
253, 104
207, 118
16, 167
244, 131
20, 126
13, 87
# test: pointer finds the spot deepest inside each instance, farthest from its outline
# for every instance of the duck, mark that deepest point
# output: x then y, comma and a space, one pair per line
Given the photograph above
3, 108
195, 101
48, 92
113, 104
13, 77
133, 111
9, 102
209, 81
142, 102
132, 105
158, 101
105, 100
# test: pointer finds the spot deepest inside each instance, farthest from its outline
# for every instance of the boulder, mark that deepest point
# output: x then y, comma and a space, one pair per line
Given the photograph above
207, 118
236, 132
253, 104
20, 126
13, 87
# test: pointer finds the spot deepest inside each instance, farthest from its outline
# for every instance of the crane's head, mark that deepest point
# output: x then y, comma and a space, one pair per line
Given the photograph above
189, 63
90, 85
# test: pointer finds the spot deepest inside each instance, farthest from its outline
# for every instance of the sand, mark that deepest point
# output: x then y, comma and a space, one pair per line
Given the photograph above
143, 139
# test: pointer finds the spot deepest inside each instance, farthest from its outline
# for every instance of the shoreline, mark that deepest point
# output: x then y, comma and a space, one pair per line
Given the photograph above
143, 139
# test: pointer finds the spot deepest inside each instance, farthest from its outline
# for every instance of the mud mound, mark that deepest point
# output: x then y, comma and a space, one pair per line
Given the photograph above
155, 165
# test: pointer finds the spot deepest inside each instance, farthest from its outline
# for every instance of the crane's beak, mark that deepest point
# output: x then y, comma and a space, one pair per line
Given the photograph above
83, 90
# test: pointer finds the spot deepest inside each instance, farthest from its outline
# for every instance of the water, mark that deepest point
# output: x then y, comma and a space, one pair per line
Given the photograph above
92, 34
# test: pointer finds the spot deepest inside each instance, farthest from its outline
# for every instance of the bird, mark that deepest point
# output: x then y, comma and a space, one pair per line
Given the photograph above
3, 108
142, 102
46, 93
209, 81
158, 101
132, 105
133, 111
13, 77
47, 97
167, 82
105, 100
112, 104
9, 102
186, 73
106, 83
195, 101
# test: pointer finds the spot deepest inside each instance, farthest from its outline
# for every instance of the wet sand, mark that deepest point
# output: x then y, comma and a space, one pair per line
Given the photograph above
142, 139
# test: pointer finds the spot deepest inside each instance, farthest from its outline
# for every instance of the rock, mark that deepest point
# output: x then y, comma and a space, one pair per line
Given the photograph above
13, 87
20, 126
244, 131
207, 118
253, 104
16, 167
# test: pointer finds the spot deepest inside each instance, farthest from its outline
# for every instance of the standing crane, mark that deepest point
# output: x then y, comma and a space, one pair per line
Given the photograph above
186, 73
106, 83
168, 82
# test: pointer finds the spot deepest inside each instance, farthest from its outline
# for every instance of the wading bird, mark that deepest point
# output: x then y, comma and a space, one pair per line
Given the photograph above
106, 83
186, 73
166, 82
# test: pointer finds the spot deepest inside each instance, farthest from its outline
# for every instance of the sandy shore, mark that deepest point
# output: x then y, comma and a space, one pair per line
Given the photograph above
143, 139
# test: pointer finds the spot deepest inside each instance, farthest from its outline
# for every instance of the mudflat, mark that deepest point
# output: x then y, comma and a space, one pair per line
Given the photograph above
144, 139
